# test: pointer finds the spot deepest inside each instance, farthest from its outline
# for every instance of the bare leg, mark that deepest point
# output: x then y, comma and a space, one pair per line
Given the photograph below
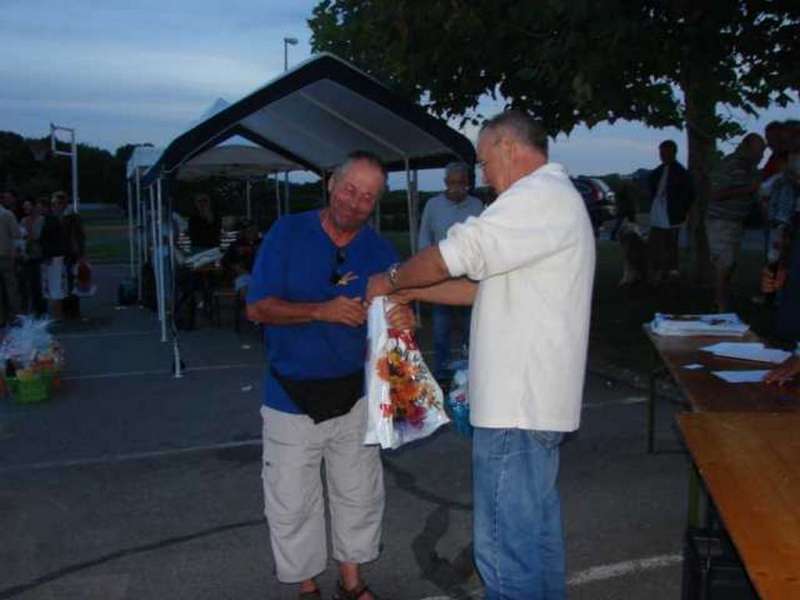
309, 585
351, 579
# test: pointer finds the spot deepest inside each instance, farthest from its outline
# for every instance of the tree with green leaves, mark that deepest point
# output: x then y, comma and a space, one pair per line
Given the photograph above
662, 62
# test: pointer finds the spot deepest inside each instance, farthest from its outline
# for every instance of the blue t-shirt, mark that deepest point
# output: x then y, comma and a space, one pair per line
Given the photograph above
295, 263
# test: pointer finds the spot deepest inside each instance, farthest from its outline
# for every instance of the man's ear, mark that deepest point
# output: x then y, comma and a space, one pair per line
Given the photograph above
331, 184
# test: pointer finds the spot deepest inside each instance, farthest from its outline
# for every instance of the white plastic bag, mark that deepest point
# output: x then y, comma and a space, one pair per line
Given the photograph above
404, 401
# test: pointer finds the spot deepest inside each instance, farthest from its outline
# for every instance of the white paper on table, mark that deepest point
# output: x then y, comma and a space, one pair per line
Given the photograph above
748, 351
755, 376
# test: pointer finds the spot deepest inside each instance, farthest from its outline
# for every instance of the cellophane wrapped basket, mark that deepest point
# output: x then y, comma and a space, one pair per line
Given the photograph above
32, 360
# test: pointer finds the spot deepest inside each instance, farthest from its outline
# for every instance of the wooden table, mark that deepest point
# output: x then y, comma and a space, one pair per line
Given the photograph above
706, 392
750, 463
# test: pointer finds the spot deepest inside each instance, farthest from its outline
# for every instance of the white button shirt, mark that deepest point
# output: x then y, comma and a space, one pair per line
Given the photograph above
533, 253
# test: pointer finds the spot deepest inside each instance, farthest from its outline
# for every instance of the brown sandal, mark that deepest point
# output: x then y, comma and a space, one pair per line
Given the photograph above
355, 594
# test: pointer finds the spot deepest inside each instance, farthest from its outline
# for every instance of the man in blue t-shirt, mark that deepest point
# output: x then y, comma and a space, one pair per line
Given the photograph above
307, 287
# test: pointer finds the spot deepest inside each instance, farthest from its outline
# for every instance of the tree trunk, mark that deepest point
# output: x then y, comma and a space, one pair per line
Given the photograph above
700, 126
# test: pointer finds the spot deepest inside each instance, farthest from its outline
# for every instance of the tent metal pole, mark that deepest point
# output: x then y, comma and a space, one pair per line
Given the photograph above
177, 369
139, 245
152, 246
411, 190
247, 199
162, 297
377, 215
411, 186
286, 191
278, 202
128, 187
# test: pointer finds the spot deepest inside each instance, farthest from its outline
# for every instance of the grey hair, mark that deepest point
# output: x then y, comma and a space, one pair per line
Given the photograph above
521, 126
360, 156
456, 167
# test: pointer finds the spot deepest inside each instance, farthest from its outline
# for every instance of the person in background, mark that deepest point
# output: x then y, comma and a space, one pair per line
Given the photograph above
54, 248
780, 278
9, 294
776, 134
10, 200
527, 263
239, 257
204, 226
672, 194
32, 224
75, 237
735, 182
454, 205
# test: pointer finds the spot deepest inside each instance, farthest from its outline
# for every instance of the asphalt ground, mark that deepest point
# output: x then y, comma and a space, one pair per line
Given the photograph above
133, 484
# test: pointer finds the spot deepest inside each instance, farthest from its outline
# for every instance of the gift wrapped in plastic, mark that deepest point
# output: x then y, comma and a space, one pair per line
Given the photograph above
404, 401
32, 359
458, 402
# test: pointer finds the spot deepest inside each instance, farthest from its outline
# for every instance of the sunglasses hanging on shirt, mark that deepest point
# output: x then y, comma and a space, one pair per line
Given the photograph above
337, 276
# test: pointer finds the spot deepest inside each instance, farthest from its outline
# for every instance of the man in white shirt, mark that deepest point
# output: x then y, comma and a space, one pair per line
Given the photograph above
527, 266
440, 214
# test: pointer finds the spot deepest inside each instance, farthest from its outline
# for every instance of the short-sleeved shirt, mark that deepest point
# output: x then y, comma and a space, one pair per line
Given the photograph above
735, 170
441, 213
295, 263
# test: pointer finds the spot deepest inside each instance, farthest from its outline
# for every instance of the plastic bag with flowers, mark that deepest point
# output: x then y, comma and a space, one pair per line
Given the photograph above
404, 401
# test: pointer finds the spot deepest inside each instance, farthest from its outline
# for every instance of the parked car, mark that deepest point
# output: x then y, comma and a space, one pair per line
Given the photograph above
598, 198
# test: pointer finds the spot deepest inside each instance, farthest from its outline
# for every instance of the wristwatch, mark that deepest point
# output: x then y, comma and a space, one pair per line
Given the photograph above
391, 274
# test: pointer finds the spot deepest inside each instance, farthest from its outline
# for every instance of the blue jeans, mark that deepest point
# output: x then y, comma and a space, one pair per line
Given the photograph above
519, 544
443, 317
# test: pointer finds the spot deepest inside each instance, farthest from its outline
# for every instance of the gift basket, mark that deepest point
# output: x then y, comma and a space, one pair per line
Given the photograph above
32, 360
404, 401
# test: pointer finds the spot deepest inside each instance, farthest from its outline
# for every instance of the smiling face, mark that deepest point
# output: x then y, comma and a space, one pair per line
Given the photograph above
353, 194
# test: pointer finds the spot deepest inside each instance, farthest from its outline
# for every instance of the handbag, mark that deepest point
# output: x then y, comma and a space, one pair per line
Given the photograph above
323, 399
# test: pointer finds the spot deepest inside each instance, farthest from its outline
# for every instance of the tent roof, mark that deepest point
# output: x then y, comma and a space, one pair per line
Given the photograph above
142, 157
319, 112
237, 161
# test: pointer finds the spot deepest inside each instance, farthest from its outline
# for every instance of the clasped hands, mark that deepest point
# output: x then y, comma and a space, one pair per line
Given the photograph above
353, 311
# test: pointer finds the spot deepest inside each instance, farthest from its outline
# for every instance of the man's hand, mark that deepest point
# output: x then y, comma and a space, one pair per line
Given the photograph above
772, 282
378, 285
785, 373
401, 317
406, 296
348, 311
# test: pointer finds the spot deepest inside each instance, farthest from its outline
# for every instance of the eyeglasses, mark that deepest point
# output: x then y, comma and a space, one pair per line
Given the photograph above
339, 258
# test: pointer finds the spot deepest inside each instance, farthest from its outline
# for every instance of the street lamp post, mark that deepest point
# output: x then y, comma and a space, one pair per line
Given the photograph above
287, 41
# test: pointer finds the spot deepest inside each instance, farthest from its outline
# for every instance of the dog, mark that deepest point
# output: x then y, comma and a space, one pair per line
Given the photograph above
634, 254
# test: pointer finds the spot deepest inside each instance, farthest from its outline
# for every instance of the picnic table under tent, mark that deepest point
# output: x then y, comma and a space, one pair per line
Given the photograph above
315, 115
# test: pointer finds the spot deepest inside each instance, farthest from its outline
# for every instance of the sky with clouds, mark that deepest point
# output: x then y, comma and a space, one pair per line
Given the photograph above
125, 71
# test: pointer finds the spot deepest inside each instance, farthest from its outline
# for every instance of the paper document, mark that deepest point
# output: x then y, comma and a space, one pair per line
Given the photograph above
748, 351
715, 324
741, 376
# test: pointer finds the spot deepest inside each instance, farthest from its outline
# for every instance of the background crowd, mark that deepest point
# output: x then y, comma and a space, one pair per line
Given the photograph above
42, 256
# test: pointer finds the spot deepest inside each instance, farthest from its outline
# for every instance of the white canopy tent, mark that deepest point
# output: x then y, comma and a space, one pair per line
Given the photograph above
233, 158
314, 116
